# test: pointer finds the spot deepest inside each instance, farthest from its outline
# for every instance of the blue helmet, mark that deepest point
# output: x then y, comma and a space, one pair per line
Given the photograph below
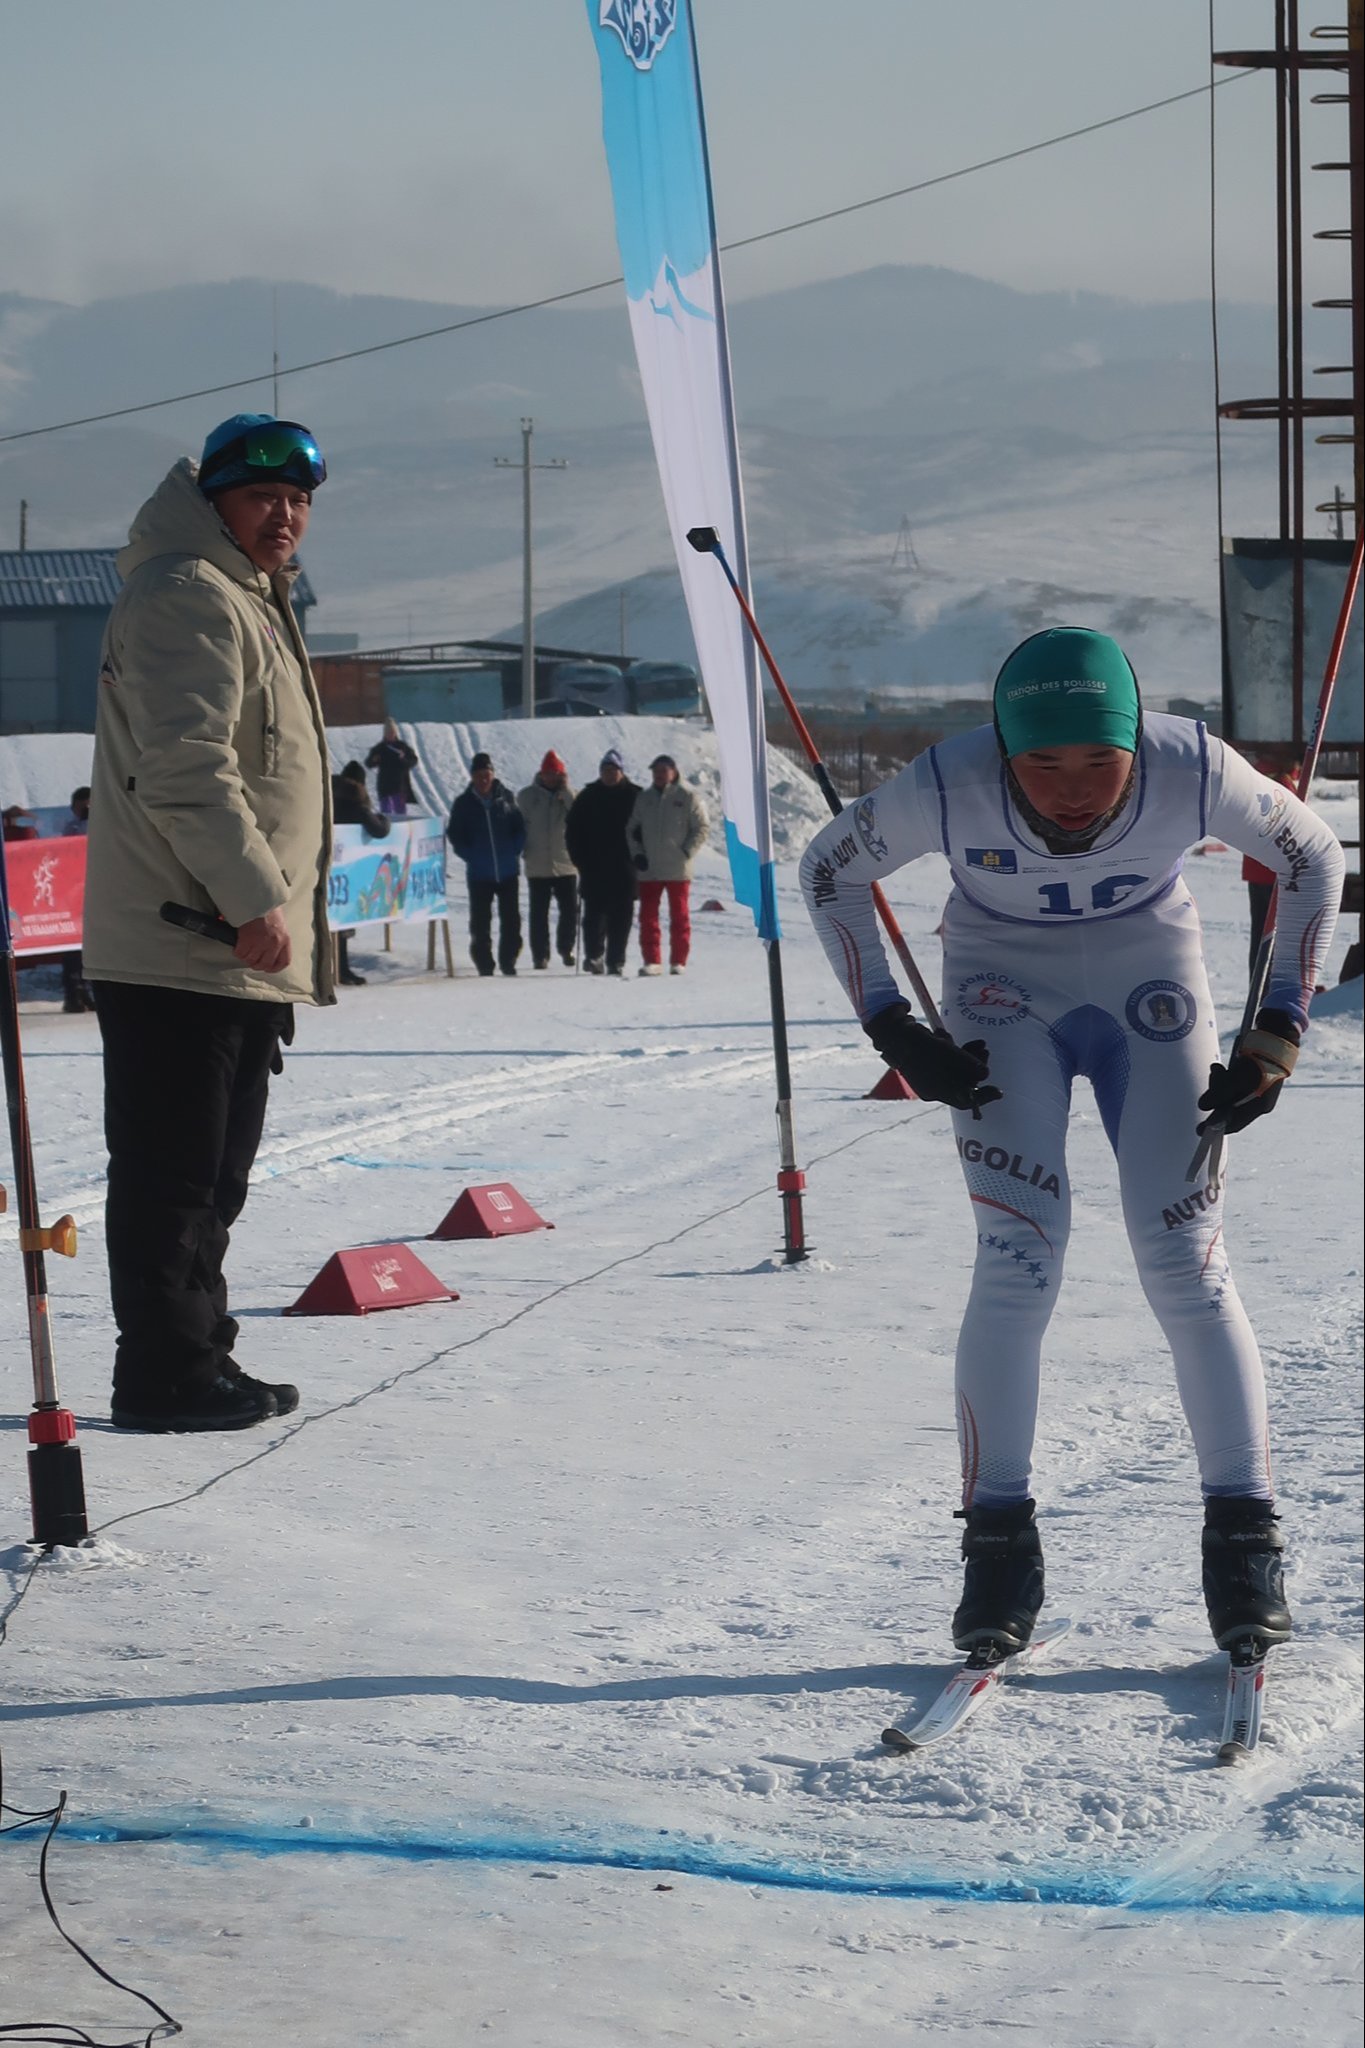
255, 447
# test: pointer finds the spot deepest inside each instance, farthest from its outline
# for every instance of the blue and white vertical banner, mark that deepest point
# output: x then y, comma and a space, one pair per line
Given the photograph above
656, 153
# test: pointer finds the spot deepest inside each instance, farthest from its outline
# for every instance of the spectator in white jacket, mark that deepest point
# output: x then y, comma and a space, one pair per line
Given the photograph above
667, 826
551, 876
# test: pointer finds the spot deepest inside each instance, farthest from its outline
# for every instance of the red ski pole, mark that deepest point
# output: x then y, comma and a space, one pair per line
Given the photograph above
706, 541
56, 1487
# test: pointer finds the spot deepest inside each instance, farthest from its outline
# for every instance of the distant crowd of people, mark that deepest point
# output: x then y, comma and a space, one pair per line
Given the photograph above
591, 853
589, 856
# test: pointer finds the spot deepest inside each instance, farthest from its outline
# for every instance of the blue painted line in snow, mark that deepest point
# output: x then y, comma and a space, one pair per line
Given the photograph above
367, 1165
674, 1856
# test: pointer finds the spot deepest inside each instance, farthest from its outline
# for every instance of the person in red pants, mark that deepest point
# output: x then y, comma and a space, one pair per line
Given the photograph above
667, 826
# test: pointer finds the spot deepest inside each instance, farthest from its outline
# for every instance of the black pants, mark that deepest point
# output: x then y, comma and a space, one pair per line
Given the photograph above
185, 1084
562, 890
607, 918
74, 991
1258, 896
507, 896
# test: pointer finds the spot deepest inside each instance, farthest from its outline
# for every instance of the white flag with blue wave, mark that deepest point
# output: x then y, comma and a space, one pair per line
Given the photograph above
665, 224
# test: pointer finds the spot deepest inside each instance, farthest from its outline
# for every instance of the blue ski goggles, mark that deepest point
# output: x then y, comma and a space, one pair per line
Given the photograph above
281, 449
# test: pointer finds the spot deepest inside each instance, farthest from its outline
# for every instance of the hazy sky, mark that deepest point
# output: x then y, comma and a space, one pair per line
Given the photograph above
450, 149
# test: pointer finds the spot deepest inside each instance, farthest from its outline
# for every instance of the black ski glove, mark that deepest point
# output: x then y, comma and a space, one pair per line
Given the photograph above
1249, 1086
936, 1069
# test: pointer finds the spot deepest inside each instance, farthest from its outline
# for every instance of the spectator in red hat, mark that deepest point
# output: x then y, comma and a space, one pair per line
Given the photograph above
550, 874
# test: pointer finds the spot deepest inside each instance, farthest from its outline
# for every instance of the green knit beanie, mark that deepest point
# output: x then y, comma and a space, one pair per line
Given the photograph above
1067, 687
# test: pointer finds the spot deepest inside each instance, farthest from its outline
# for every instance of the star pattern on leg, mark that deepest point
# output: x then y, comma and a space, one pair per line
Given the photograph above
991, 1241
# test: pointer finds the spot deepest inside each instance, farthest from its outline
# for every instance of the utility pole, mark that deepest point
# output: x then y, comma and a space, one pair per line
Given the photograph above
23, 526
528, 652
904, 550
1336, 508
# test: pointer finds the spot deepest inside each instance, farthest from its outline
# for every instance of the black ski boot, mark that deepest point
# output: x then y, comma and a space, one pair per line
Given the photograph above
1243, 1576
1002, 1588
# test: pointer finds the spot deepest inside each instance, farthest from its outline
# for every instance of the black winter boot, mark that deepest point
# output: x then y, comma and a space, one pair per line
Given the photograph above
1002, 1587
235, 1402
1243, 1575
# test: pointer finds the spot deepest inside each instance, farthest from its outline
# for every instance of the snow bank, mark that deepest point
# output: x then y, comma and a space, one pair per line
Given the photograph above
43, 767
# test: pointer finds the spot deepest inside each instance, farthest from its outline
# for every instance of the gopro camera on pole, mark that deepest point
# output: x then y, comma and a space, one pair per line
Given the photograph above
56, 1487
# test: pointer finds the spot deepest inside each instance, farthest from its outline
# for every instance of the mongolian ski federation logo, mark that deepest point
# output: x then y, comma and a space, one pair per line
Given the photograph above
865, 818
992, 999
994, 860
644, 26
1162, 1011
1272, 809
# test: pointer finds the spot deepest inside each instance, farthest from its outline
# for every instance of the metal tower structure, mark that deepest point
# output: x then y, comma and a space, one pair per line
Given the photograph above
1281, 592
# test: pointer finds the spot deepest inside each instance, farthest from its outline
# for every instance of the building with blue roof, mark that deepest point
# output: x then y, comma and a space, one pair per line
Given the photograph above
53, 605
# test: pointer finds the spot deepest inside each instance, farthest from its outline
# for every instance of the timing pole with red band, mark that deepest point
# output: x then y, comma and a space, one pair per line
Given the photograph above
56, 1485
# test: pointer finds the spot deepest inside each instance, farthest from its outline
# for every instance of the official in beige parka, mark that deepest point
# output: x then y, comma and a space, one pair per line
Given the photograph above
211, 788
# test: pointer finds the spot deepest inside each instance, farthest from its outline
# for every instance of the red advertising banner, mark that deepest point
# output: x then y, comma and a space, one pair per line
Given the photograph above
46, 894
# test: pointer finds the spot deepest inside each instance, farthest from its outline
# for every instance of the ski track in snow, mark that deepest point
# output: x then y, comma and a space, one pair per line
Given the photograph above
448, 1106
641, 1573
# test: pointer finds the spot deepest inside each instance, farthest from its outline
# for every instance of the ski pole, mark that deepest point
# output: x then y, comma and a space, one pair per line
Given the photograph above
706, 541
56, 1486
1211, 1144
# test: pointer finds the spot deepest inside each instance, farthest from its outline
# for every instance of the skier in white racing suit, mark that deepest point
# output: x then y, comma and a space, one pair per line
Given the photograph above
1072, 946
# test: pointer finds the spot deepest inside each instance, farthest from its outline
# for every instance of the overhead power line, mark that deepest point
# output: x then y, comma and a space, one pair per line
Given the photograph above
582, 291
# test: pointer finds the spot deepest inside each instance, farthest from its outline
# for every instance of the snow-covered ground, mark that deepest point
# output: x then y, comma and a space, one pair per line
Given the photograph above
525, 1686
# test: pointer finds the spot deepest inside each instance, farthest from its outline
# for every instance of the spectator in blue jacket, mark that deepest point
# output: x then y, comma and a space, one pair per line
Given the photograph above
488, 832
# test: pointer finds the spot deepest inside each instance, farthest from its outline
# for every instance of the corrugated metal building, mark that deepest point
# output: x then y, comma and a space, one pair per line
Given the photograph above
53, 605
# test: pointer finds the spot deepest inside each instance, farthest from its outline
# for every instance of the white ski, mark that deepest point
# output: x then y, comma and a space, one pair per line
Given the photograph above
1245, 1698
968, 1689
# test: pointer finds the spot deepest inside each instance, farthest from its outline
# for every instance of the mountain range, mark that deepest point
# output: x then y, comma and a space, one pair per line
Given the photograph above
933, 462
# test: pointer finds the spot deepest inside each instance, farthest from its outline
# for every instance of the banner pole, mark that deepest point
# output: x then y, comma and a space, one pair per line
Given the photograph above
791, 1182
654, 132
